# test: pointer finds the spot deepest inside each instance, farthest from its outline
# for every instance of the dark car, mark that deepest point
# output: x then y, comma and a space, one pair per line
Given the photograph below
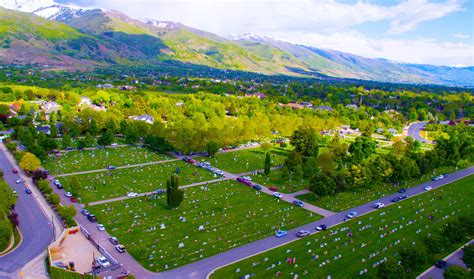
321, 227
395, 199
244, 181
28, 191
111, 167
298, 203
441, 264
85, 212
14, 170
257, 187
186, 159
402, 197
402, 190
113, 240
92, 218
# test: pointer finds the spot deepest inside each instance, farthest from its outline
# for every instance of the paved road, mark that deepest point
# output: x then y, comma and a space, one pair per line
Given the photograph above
414, 131
121, 167
35, 227
452, 259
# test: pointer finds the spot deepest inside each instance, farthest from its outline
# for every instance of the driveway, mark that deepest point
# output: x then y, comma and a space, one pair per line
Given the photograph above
35, 227
414, 131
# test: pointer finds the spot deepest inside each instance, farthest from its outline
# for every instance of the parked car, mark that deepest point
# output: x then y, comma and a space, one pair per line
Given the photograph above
277, 195
132, 194
247, 178
192, 161
427, 188
102, 261
352, 214
14, 170
436, 178
58, 184
19, 181
28, 191
298, 203
113, 240
111, 167
321, 227
85, 212
402, 190
92, 218
441, 264
114, 145
219, 172
73, 199
100, 227
378, 205
281, 233
303, 233
402, 197
159, 191
395, 199
67, 194
257, 187
274, 189
186, 159
120, 248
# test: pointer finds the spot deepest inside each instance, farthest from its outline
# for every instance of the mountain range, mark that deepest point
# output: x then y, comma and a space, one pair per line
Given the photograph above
70, 37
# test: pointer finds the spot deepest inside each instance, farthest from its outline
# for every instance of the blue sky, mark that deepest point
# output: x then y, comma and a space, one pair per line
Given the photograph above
437, 32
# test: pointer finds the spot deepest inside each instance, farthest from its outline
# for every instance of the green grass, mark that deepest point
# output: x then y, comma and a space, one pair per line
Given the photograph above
232, 215
284, 186
84, 160
406, 222
345, 200
59, 273
246, 160
116, 183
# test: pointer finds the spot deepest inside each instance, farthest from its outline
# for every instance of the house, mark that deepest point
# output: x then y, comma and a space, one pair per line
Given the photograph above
259, 95
127, 87
105, 86
49, 108
144, 117
292, 105
85, 101
325, 108
352, 106
392, 131
46, 129
306, 104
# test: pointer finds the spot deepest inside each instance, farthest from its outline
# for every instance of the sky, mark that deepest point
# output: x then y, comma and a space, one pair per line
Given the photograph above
439, 32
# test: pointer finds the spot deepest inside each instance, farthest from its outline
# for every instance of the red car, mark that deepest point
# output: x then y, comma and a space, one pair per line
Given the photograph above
191, 161
274, 189
14, 170
73, 199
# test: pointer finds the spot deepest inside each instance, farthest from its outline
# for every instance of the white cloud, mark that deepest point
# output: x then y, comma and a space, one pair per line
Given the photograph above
421, 51
461, 36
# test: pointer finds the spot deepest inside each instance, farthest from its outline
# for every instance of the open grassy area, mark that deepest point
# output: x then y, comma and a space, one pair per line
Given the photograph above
83, 160
284, 185
246, 160
345, 200
230, 213
111, 184
375, 236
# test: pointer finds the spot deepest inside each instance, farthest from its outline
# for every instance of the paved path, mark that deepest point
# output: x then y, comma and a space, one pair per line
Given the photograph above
452, 259
34, 217
414, 131
299, 193
121, 167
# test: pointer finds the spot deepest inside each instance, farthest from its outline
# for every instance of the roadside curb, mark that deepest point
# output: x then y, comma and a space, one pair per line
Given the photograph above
9, 248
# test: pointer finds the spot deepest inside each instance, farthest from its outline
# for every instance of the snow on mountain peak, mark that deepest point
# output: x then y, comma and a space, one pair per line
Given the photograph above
26, 5
250, 37
158, 23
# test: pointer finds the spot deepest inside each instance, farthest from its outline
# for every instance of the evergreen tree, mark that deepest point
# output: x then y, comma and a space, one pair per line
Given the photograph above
174, 196
268, 163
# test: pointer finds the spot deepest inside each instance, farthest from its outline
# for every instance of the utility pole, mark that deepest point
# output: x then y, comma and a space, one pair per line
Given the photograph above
54, 227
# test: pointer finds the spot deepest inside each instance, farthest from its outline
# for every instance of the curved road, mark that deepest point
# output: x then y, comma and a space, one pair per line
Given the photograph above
414, 131
202, 268
35, 228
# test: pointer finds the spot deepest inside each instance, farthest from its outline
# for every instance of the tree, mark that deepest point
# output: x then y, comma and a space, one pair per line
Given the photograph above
93, 129
53, 131
322, 184
305, 141
390, 270
107, 138
268, 163
44, 186
67, 213
174, 196
468, 257
456, 272
131, 133
413, 258
212, 147
30, 162
66, 141
54, 199
89, 140
455, 231
75, 186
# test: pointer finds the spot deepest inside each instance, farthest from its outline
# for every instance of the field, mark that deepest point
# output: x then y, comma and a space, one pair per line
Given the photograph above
246, 160
375, 236
345, 200
84, 160
275, 180
111, 184
230, 214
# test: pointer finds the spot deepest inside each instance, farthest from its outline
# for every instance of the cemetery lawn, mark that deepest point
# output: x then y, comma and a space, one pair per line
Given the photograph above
284, 186
246, 160
116, 183
346, 200
375, 236
84, 160
230, 213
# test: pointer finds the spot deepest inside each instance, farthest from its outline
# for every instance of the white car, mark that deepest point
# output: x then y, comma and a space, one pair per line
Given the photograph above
100, 227
102, 261
132, 194
378, 205
277, 195
67, 194
427, 188
247, 178
19, 181
352, 214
